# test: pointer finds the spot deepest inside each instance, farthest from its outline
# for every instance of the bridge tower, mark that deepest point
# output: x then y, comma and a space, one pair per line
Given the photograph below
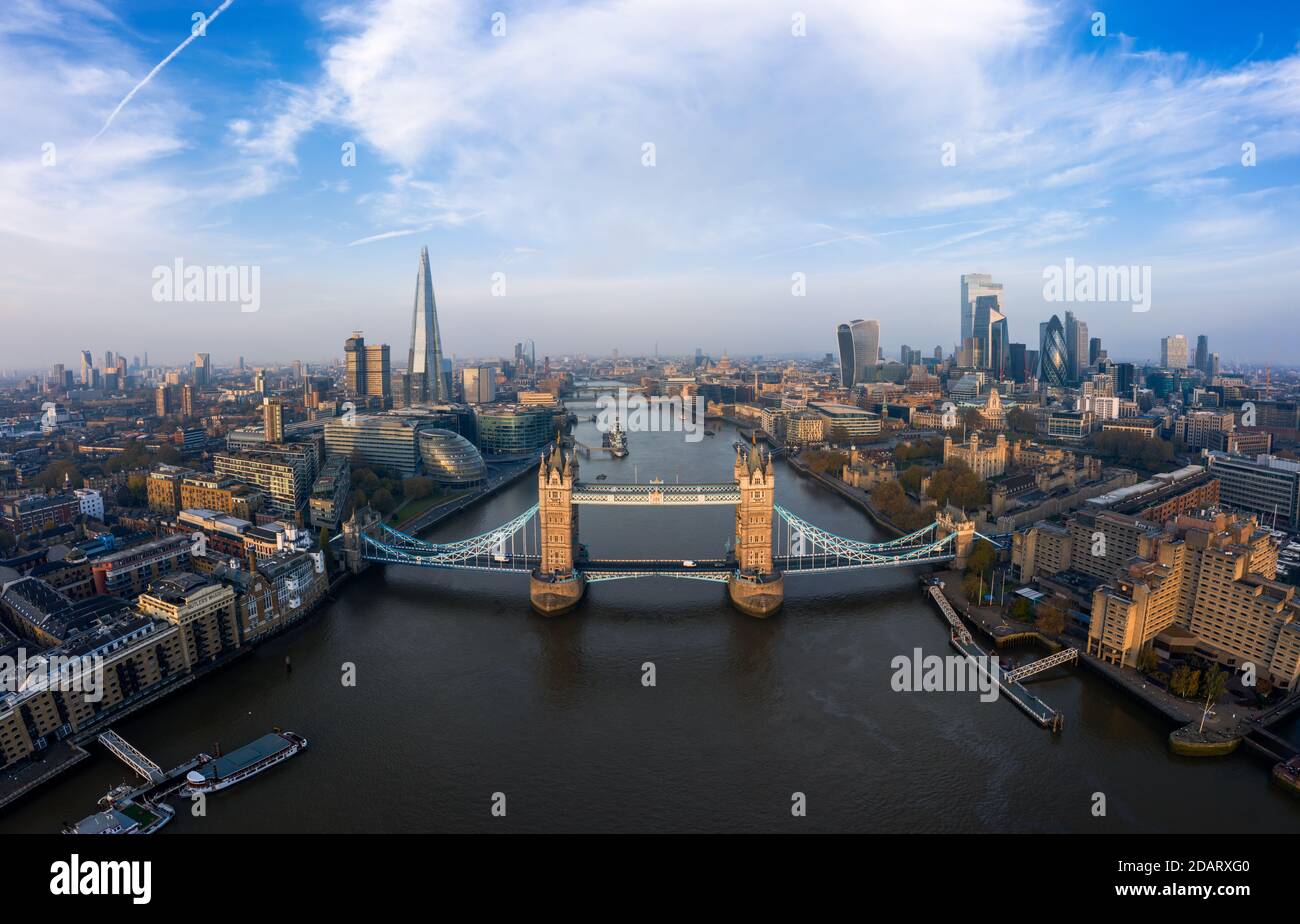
556, 586
755, 587
364, 521
948, 522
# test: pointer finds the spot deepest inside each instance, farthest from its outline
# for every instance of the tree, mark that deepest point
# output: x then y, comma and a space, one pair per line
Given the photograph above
919, 449
1213, 685
1184, 681
417, 487
8, 541
383, 501
365, 478
1050, 620
1021, 609
1022, 421
970, 588
888, 498
1147, 661
911, 477
981, 559
53, 476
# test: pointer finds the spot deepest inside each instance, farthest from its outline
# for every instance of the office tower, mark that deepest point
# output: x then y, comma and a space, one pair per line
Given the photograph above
699, 357
479, 384
121, 371
241, 364
1052, 358
109, 362
859, 344
146, 359
1203, 354
973, 285
202, 370
368, 369
273, 420
379, 374
1264, 485
1213, 366
259, 382
1016, 355
354, 363
1125, 374
424, 366
87, 368
166, 399
1094, 351
187, 400
297, 371
386, 444
989, 336
1173, 352
938, 354
1076, 347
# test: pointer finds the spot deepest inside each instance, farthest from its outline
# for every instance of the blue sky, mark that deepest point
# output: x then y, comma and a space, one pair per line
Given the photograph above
521, 154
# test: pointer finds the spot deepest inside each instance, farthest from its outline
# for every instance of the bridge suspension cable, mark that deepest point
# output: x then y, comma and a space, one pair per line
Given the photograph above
811, 548
505, 547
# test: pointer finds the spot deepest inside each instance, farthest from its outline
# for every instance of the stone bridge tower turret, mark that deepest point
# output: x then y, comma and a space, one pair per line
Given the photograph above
557, 585
755, 587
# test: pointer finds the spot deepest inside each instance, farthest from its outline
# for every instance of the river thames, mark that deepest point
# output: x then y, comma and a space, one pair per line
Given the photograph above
463, 692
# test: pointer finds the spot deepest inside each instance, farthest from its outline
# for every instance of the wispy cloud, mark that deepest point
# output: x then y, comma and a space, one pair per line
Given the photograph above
194, 33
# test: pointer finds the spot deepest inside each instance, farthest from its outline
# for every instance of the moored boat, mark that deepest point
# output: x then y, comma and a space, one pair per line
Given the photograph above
242, 763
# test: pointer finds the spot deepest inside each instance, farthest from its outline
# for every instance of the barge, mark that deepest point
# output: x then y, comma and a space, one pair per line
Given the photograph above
219, 773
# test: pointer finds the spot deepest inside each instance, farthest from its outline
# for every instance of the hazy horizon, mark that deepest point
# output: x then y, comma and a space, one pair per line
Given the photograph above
881, 154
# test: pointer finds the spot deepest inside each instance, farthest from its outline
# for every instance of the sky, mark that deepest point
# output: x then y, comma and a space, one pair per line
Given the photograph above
864, 153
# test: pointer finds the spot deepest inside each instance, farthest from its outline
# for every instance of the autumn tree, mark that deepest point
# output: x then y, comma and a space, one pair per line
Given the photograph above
1050, 620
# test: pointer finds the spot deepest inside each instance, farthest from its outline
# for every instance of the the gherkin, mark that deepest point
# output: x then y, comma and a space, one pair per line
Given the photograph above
1051, 353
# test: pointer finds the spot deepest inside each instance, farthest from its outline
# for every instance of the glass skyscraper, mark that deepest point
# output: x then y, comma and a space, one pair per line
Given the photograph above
859, 344
990, 335
424, 379
973, 285
1052, 355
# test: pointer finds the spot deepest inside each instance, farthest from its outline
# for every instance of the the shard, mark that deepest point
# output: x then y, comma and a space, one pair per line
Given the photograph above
424, 380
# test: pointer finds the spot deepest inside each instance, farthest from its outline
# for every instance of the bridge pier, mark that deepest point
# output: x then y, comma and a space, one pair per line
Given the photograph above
758, 595
553, 594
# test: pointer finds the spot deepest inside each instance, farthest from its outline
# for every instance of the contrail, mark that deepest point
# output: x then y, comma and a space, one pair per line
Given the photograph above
159, 66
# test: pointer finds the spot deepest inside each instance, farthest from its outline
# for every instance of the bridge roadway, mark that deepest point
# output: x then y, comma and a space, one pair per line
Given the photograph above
656, 493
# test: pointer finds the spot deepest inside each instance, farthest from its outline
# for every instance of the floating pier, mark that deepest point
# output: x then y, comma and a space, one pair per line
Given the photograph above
1008, 683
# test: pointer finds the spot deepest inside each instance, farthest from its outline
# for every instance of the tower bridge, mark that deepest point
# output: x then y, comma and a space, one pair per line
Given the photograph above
769, 541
